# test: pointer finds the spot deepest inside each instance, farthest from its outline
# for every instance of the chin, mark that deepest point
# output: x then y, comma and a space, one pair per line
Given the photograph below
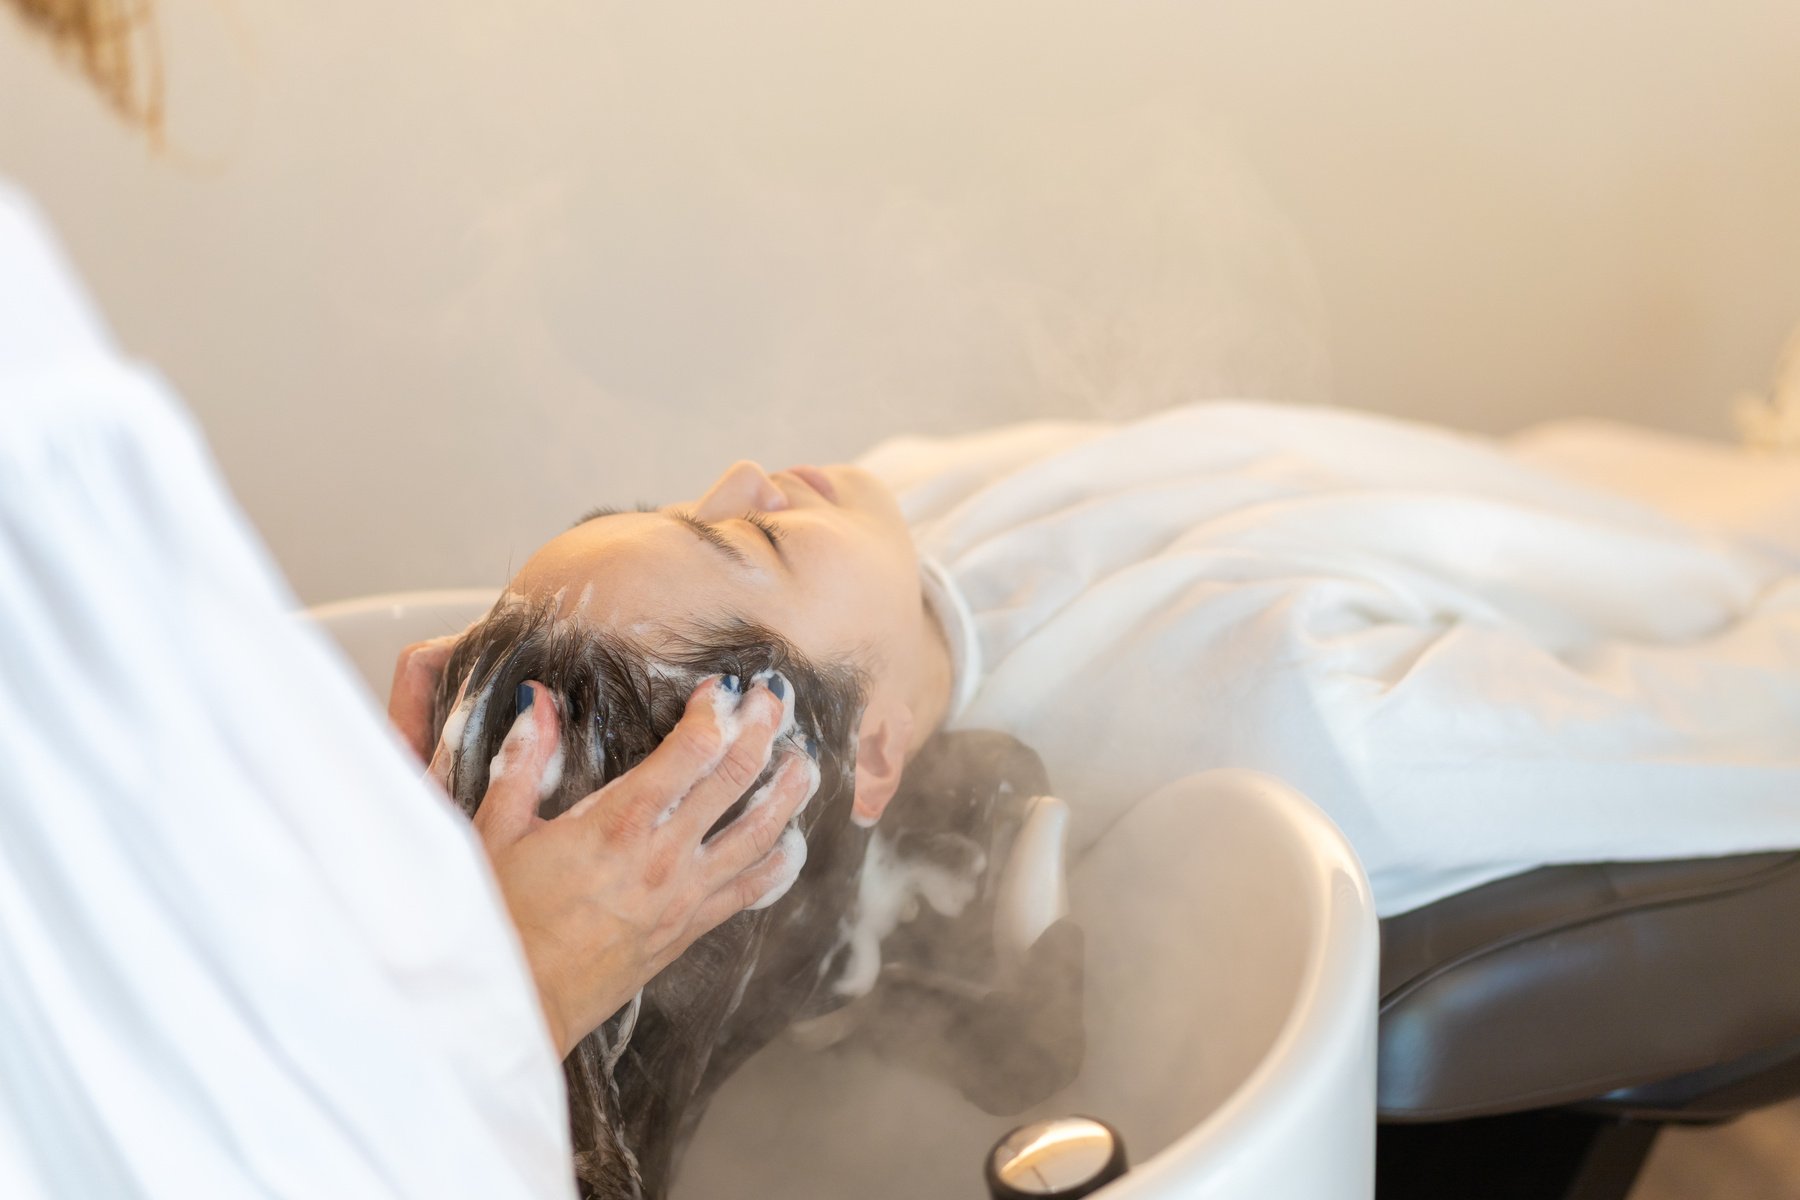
863, 492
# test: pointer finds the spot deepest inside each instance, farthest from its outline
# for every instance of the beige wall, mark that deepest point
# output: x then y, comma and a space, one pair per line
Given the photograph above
438, 274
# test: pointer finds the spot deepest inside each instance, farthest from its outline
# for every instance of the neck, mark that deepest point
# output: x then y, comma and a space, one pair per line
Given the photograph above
931, 691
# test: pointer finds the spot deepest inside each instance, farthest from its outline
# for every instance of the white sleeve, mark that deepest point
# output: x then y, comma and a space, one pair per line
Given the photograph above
45, 315
244, 950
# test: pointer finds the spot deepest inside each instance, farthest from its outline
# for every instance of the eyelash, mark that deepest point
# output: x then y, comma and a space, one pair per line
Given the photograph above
767, 526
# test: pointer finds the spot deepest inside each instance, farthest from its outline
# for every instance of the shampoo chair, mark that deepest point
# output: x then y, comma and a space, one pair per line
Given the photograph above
1536, 1033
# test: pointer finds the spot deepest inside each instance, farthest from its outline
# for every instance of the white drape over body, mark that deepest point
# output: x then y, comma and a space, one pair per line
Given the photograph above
1474, 664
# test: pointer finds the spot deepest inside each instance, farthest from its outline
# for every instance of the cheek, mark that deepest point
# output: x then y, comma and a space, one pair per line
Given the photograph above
884, 593
846, 594
871, 562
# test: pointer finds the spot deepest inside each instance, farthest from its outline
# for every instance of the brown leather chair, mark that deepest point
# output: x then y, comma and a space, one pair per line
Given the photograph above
1536, 1033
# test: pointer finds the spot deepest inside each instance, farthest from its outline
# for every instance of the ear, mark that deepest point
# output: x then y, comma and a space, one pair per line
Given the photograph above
881, 746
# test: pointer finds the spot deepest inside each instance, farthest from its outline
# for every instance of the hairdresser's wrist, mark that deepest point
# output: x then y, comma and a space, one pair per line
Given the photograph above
553, 993
573, 1005
555, 1025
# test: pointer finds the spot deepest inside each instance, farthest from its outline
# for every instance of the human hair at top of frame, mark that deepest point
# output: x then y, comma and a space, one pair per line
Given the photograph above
112, 42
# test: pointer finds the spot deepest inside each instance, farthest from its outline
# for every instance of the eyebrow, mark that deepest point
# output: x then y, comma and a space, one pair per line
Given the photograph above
704, 530
606, 510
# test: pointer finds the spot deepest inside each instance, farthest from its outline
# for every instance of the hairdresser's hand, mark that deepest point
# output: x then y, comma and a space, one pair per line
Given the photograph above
416, 675
612, 891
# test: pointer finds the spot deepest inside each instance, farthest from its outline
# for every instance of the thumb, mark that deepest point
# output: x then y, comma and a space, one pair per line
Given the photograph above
528, 766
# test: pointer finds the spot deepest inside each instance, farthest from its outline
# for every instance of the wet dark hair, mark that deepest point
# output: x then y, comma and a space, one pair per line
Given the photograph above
632, 1106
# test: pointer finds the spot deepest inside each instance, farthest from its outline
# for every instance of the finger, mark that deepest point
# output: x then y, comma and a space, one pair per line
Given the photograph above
439, 766
759, 887
450, 738
527, 768
416, 675
756, 831
743, 765
765, 715
721, 731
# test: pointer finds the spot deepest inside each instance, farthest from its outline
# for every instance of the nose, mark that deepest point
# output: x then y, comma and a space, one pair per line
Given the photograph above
744, 487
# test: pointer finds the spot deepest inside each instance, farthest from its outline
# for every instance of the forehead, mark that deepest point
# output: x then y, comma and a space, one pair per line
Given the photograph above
629, 568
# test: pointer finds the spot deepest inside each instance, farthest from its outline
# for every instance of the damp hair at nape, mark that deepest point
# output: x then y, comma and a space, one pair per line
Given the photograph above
635, 1095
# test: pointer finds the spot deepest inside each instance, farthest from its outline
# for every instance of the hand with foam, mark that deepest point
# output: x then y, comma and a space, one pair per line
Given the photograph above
613, 890
416, 675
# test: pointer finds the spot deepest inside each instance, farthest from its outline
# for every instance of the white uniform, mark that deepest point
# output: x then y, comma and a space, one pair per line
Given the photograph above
1474, 665
244, 951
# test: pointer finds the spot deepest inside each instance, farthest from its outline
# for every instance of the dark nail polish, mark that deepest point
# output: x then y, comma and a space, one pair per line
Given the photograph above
810, 744
526, 693
731, 683
779, 686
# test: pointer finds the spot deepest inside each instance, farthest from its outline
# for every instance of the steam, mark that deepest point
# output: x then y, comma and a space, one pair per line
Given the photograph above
786, 231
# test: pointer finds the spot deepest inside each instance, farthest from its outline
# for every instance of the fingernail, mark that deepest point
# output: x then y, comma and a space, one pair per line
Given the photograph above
526, 694
779, 686
811, 746
731, 683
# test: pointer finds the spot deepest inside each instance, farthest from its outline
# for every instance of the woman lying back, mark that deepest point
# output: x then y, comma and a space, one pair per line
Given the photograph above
616, 622
1474, 666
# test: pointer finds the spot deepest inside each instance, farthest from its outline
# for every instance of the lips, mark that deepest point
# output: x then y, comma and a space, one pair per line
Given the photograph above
815, 479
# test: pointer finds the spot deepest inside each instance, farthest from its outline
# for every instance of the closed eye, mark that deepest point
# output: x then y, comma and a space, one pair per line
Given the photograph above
768, 527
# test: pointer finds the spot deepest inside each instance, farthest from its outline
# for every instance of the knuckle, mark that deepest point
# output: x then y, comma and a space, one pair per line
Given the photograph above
799, 783
740, 766
749, 889
767, 834
752, 843
699, 740
659, 869
623, 824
